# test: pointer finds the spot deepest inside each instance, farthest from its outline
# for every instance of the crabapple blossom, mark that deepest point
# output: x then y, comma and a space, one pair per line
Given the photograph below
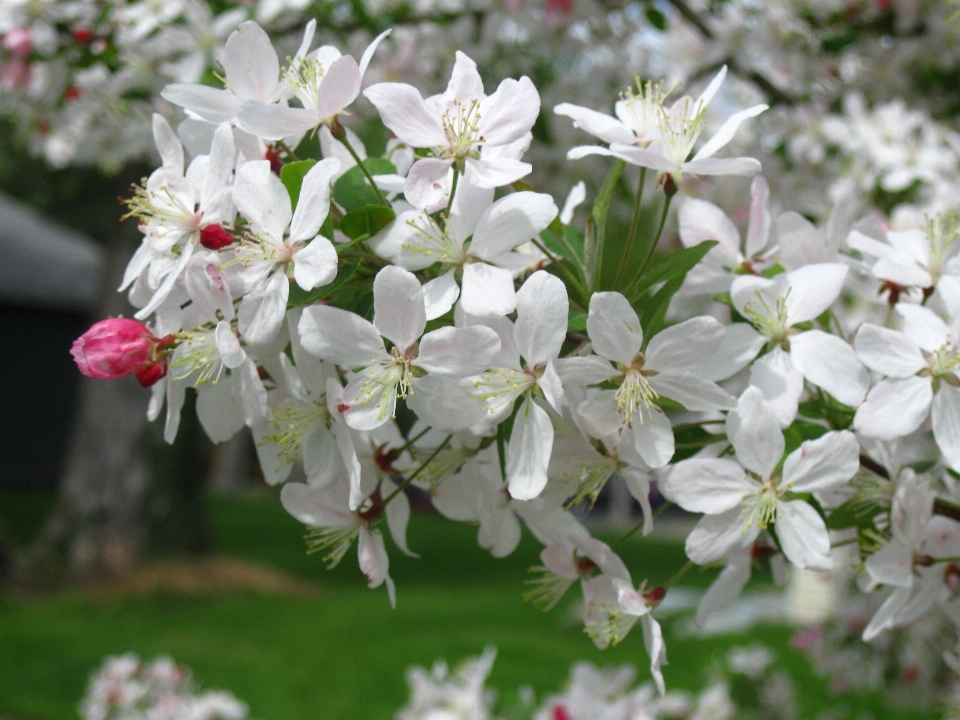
742, 498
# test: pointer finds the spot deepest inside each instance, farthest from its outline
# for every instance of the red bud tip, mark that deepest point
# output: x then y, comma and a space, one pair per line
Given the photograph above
151, 373
214, 237
655, 596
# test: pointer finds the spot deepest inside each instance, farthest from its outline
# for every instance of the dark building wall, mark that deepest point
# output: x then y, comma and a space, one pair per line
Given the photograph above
38, 386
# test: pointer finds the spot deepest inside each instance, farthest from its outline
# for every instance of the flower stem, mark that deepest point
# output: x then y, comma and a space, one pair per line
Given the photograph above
353, 153
453, 190
634, 224
626, 536
556, 262
402, 486
406, 446
679, 574
653, 244
290, 153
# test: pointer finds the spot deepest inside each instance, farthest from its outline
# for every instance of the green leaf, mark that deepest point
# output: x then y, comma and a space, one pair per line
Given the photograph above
301, 298
599, 217
774, 270
366, 220
800, 431
656, 18
675, 265
352, 191
852, 514
577, 322
656, 309
691, 441
292, 174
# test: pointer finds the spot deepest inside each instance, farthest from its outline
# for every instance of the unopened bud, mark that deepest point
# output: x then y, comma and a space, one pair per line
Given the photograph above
82, 34
113, 348
273, 155
214, 237
655, 596
337, 130
151, 373
670, 187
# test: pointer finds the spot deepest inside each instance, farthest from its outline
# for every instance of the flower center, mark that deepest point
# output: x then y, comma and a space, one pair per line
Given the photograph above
200, 358
635, 396
680, 131
461, 126
769, 320
388, 379
430, 241
760, 508
303, 77
500, 388
295, 422
643, 107
162, 208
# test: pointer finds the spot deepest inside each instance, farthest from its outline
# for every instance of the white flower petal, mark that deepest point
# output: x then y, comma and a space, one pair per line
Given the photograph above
758, 232
313, 204
608, 129
614, 328
741, 166
685, 347
510, 112
803, 536
923, 326
528, 454
888, 351
403, 110
316, 264
693, 392
440, 294
726, 589
511, 221
212, 104
262, 199
945, 414
261, 311
715, 536
399, 312
542, 309
726, 132
228, 346
276, 121
707, 485
830, 363
425, 183
894, 408
339, 87
250, 64
813, 289
487, 291
339, 336
822, 464
458, 352
653, 440
755, 433
780, 382
701, 220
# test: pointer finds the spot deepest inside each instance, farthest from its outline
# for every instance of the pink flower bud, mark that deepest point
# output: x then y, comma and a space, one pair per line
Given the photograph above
214, 237
18, 42
113, 348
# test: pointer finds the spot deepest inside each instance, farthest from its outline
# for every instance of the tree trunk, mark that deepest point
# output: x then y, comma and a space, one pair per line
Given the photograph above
122, 489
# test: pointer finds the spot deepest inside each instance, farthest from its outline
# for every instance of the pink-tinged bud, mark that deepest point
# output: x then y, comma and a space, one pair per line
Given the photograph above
556, 8
14, 75
214, 237
113, 348
18, 42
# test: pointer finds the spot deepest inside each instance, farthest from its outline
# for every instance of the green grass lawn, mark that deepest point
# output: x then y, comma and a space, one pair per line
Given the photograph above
341, 654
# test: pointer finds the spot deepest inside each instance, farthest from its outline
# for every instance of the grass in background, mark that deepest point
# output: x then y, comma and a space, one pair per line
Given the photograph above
341, 654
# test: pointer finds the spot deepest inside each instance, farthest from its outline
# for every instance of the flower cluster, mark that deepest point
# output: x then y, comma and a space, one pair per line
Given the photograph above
423, 317
126, 688
743, 685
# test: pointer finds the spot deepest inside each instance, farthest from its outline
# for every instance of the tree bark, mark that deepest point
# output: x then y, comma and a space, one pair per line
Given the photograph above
122, 489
